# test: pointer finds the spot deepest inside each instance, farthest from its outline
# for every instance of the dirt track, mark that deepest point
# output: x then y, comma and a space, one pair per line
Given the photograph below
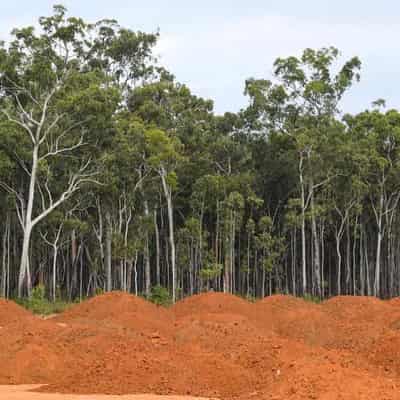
211, 345
24, 392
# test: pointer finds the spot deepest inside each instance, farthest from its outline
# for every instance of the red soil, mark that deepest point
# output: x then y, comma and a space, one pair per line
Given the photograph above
211, 345
11, 312
24, 392
118, 312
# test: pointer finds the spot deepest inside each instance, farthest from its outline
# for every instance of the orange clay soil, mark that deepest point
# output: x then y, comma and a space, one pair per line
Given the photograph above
24, 392
210, 345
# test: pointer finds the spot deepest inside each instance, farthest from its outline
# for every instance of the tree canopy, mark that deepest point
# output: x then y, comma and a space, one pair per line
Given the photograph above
114, 175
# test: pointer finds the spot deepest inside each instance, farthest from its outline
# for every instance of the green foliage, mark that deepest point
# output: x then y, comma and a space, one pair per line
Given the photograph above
288, 170
312, 299
160, 295
39, 304
210, 271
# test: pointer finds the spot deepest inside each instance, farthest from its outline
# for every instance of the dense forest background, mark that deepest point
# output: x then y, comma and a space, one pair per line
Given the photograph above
114, 175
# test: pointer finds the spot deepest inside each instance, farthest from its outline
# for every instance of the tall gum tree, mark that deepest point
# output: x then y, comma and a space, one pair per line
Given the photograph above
164, 154
48, 97
378, 137
301, 103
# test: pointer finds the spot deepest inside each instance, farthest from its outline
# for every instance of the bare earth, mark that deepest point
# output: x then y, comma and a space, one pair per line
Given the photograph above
21, 392
212, 345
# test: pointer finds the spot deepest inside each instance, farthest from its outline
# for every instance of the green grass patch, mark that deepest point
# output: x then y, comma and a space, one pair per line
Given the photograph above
311, 298
160, 295
39, 304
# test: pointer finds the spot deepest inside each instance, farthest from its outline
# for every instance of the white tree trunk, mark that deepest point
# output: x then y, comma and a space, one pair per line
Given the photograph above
377, 290
168, 196
55, 254
147, 270
27, 221
317, 256
158, 273
379, 246
303, 228
108, 253
339, 265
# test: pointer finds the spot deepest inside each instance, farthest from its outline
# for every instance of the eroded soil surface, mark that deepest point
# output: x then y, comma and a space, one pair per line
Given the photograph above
211, 345
24, 392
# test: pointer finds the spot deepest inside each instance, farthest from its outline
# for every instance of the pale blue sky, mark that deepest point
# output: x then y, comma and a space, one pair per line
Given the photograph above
214, 45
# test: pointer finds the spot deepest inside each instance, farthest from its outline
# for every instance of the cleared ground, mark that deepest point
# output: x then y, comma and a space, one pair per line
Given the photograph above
24, 392
211, 345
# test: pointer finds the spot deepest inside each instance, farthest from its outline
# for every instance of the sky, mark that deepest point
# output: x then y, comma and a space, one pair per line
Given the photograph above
213, 46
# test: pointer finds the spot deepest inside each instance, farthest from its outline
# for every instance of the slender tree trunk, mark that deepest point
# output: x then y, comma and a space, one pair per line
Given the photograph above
108, 253
248, 266
338, 237
362, 262
4, 270
24, 266
355, 255
136, 274
6, 258
377, 282
348, 257
323, 260
168, 196
317, 258
27, 220
303, 229
294, 261
55, 254
379, 215
147, 270
157, 235
228, 260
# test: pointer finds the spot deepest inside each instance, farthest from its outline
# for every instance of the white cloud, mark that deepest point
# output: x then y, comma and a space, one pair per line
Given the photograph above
223, 54
6, 26
215, 55
270, 35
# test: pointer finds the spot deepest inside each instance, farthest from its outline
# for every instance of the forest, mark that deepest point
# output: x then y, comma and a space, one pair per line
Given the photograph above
115, 176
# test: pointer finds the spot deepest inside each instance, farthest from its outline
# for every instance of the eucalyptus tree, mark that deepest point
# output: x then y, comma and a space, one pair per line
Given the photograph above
271, 248
164, 154
344, 197
177, 123
302, 103
378, 135
45, 92
127, 61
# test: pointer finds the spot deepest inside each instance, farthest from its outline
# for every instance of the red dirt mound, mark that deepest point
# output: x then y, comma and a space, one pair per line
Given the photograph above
355, 307
118, 310
394, 302
331, 375
124, 368
30, 351
206, 352
362, 320
11, 312
296, 319
287, 302
212, 303
212, 345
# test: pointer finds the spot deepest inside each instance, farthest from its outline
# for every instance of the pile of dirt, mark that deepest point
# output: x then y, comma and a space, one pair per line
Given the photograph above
211, 345
11, 313
118, 311
212, 303
331, 375
296, 319
358, 308
30, 352
205, 347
